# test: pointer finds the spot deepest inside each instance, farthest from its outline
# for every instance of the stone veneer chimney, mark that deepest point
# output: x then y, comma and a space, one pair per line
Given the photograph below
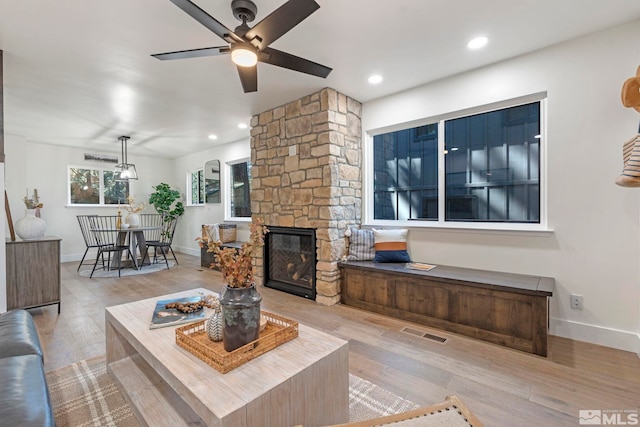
306, 172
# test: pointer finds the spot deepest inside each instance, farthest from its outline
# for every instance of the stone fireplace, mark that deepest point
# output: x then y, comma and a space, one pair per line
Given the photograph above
306, 173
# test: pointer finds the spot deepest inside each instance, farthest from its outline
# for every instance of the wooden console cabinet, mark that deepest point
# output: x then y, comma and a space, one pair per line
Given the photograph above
502, 308
33, 273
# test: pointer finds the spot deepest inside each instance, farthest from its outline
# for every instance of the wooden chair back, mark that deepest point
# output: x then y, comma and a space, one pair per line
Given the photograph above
105, 231
85, 227
152, 220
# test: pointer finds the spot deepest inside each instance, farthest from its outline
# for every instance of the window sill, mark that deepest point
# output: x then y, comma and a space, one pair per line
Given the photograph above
96, 206
235, 219
465, 227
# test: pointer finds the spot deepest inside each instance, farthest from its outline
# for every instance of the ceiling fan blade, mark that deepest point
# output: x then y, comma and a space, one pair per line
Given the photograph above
279, 22
248, 78
292, 62
207, 20
193, 53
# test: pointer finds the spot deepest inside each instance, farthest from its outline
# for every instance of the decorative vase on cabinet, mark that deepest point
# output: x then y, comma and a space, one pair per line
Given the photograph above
30, 227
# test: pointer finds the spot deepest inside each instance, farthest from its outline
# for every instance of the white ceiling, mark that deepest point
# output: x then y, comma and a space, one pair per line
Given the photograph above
79, 72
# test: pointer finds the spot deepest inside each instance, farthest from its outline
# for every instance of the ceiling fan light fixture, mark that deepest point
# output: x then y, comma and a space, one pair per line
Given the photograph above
244, 55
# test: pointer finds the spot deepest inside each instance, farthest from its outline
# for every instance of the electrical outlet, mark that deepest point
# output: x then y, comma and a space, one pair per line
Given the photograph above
577, 302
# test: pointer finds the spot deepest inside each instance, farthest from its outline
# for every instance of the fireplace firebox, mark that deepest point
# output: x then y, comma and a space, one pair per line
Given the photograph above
290, 260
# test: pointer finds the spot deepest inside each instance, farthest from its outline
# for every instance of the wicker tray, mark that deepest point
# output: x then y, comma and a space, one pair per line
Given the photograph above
194, 339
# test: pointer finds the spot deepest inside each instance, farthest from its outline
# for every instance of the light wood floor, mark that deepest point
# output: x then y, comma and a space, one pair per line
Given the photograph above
503, 387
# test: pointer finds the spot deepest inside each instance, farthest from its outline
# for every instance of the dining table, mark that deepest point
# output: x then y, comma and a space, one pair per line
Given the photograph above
137, 243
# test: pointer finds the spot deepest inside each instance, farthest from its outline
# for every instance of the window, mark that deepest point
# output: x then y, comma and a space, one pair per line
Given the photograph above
406, 174
239, 197
196, 184
95, 186
479, 168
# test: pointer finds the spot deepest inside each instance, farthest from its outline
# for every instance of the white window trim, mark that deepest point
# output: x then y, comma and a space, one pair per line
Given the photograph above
188, 187
226, 193
101, 195
367, 149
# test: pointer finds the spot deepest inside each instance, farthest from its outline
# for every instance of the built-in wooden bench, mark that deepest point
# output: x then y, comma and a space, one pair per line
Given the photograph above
502, 308
206, 258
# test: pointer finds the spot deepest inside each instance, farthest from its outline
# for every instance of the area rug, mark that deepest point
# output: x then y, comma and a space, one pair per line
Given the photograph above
84, 395
126, 271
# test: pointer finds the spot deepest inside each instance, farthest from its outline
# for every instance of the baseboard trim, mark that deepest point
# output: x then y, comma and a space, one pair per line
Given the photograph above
608, 337
188, 251
75, 257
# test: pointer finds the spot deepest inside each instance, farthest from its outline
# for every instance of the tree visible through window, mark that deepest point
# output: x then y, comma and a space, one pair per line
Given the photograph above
95, 187
491, 169
197, 188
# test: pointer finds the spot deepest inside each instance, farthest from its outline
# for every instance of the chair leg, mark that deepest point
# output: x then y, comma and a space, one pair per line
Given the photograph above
174, 255
165, 256
83, 256
96, 263
119, 262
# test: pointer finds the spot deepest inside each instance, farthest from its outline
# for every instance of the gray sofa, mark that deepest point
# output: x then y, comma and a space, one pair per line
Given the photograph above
24, 395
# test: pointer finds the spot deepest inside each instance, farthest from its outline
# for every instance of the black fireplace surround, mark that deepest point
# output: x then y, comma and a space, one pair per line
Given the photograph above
290, 260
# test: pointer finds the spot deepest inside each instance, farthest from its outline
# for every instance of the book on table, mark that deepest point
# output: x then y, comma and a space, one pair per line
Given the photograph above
163, 317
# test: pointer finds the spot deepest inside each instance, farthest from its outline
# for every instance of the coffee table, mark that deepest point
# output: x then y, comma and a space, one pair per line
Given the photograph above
304, 381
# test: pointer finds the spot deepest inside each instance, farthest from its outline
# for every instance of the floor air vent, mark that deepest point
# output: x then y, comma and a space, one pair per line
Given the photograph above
423, 334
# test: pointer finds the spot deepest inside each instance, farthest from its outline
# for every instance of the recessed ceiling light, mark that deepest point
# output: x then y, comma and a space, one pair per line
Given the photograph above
478, 42
375, 79
242, 125
213, 137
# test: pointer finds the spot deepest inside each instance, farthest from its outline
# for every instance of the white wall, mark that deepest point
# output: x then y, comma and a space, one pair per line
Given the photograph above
594, 248
190, 224
3, 253
30, 165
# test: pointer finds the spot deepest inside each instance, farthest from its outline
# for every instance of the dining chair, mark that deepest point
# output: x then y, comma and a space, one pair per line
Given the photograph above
152, 220
166, 239
88, 236
109, 241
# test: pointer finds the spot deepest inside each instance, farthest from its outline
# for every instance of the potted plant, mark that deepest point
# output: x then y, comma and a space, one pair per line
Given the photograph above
166, 201
241, 301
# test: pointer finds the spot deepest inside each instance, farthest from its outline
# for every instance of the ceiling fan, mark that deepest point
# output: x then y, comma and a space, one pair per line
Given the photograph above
249, 45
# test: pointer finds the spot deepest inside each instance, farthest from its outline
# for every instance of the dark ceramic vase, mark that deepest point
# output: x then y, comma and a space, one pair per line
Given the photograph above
241, 313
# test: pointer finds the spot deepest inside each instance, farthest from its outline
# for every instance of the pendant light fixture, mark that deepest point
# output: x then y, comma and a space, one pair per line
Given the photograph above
125, 171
